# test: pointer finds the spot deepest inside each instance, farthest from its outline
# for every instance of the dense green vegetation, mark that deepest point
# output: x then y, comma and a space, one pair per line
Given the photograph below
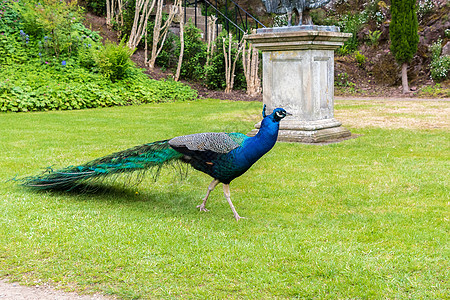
403, 30
50, 61
363, 219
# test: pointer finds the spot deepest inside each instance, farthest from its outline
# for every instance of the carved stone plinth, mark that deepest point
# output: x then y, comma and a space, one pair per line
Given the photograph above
298, 75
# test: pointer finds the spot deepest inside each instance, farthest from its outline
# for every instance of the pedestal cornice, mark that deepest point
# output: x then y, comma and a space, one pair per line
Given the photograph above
298, 40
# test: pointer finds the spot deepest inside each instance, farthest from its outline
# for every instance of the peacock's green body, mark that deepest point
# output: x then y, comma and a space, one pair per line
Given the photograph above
223, 156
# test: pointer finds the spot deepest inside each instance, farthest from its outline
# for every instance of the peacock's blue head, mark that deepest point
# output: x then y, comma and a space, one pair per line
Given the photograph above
279, 113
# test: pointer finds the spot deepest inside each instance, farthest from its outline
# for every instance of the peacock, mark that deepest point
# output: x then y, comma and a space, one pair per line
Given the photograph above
223, 156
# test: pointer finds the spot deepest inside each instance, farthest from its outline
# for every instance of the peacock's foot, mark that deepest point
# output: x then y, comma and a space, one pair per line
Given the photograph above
238, 217
202, 207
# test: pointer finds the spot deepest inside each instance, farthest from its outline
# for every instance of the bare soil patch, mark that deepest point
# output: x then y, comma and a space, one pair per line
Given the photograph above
394, 114
14, 291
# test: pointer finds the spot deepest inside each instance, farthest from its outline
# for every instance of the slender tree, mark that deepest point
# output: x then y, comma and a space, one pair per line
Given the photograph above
114, 10
403, 33
160, 30
141, 15
250, 63
230, 65
180, 57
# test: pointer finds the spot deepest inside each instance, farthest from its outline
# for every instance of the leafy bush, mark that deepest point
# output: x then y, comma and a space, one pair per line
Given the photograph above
433, 91
374, 37
375, 11
440, 65
51, 18
42, 70
440, 68
436, 49
98, 7
424, 7
360, 59
194, 56
343, 81
352, 23
30, 88
114, 60
10, 21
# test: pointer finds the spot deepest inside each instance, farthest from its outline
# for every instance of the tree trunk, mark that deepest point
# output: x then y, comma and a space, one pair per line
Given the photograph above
230, 66
405, 78
180, 58
108, 12
211, 37
250, 62
140, 21
160, 31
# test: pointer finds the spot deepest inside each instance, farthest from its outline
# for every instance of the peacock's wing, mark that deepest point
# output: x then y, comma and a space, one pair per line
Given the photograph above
215, 142
210, 152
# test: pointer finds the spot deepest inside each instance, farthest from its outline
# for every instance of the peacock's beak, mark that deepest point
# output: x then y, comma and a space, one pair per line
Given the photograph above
288, 114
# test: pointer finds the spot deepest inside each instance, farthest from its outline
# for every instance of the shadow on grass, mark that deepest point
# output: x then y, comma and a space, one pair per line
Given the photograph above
174, 202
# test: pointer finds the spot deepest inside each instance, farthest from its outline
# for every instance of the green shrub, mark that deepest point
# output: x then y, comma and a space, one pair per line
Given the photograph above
375, 11
436, 49
114, 60
98, 7
360, 59
424, 7
343, 81
352, 23
194, 56
374, 37
84, 74
53, 19
10, 20
30, 88
440, 65
440, 68
434, 91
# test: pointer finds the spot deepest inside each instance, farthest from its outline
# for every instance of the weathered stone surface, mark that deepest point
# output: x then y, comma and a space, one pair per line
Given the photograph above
298, 75
446, 49
310, 136
295, 38
298, 28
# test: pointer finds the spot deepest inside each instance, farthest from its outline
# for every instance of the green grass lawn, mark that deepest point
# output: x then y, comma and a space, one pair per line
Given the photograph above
366, 218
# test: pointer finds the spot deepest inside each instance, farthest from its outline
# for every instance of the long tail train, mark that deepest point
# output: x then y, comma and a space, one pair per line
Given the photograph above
139, 158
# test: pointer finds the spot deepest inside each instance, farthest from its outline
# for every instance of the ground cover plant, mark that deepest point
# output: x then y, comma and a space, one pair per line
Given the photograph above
365, 218
50, 61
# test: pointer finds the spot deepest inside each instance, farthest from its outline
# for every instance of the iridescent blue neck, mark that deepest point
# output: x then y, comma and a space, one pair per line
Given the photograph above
255, 147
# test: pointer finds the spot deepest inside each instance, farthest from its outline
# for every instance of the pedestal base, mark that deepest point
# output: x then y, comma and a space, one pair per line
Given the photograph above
321, 131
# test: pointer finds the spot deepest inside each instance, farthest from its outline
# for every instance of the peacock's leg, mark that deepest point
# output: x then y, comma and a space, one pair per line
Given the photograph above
226, 192
211, 187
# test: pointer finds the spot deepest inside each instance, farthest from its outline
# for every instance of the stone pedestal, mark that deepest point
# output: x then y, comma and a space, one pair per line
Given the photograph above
298, 75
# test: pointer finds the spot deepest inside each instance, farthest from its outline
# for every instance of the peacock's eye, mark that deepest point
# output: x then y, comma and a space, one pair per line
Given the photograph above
279, 114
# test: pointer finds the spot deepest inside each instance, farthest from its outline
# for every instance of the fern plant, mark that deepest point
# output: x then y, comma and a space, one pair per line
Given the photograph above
114, 60
374, 37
